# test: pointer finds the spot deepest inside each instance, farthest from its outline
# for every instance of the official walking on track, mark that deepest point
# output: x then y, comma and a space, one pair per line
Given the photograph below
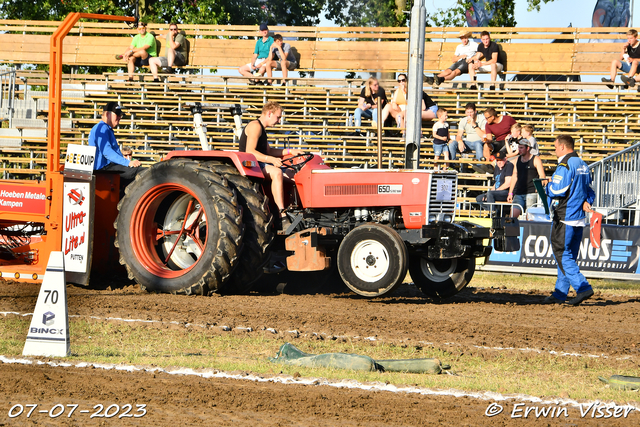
570, 195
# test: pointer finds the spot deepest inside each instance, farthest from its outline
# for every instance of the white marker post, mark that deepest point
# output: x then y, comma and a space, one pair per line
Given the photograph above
49, 331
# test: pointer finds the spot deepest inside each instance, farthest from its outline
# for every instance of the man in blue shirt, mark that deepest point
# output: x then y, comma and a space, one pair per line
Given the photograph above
570, 195
108, 155
260, 55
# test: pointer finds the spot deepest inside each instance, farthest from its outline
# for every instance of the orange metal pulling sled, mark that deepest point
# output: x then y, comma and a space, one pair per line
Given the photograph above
31, 218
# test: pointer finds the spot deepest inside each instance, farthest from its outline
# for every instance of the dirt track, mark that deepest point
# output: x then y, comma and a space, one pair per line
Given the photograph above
476, 317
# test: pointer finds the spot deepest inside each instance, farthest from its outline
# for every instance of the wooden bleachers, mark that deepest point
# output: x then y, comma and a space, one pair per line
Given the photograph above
157, 119
529, 50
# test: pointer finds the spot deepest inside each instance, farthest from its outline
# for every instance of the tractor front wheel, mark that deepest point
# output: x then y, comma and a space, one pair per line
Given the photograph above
441, 278
372, 260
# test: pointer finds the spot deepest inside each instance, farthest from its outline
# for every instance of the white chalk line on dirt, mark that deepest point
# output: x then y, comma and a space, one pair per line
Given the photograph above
297, 333
288, 380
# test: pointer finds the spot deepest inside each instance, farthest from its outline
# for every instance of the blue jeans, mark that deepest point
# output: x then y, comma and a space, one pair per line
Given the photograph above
565, 242
475, 146
367, 114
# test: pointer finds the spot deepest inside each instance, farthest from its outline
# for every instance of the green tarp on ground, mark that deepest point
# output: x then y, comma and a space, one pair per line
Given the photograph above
290, 355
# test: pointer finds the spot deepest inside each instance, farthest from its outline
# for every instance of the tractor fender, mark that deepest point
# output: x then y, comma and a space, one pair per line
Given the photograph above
246, 163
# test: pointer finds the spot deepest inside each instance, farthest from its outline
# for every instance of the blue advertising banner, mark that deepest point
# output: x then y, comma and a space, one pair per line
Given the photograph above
478, 15
619, 251
611, 13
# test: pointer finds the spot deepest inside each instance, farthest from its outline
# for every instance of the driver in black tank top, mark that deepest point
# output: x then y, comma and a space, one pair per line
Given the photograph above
254, 140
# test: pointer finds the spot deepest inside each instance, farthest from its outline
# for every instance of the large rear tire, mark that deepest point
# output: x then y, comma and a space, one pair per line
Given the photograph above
179, 229
258, 232
442, 278
372, 260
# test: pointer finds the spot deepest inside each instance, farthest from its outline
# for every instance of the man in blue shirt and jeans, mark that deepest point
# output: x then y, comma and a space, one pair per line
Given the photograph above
108, 155
570, 195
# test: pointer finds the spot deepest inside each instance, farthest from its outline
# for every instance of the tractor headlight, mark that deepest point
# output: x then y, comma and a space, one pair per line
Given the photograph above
447, 218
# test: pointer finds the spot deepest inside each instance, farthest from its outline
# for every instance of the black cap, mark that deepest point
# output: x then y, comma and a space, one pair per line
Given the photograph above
113, 107
264, 26
500, 155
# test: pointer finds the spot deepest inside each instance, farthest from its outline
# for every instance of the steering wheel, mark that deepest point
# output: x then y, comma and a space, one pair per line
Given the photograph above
295, 164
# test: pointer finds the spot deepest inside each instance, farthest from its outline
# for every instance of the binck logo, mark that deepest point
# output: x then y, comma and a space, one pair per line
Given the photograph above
48, 318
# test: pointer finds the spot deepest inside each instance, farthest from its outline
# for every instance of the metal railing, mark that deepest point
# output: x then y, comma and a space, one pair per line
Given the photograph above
616, 179
7, 93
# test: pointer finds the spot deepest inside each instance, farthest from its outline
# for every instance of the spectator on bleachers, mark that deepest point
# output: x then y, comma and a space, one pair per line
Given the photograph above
464, 52
628, 62
441, 138
281, 58
527, 132
429, 107
260, 54
127, 152
470, 133
522, 191
143, 47
367, 106
496, 130
511, 141
176, 53
398, 104
502, 180
489, 51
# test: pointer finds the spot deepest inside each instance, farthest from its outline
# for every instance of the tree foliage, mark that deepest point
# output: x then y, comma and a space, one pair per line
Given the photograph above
247, 12
369, 13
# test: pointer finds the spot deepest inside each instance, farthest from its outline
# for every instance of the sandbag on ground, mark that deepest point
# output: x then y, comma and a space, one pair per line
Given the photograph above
291, 355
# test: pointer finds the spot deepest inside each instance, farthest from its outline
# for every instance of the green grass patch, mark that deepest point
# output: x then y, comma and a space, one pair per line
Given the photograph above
507, 372
545, 284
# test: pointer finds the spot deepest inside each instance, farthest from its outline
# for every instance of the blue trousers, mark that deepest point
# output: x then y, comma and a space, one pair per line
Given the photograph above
565, 242
371, 113
475, 146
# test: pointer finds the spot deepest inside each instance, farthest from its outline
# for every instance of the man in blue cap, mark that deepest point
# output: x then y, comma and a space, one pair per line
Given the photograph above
108, 155
260, 55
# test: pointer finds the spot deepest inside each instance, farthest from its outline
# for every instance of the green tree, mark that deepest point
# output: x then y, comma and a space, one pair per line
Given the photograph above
503, 13
369, 13
247, 12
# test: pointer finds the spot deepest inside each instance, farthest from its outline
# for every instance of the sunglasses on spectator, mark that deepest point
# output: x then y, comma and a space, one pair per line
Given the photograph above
402, 80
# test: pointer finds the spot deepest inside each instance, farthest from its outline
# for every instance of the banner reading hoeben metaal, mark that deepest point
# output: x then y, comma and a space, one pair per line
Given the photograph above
619, 251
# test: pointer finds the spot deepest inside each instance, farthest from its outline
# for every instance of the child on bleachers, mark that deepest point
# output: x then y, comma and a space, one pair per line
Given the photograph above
527, 132
511, 142
127, 152
441, 136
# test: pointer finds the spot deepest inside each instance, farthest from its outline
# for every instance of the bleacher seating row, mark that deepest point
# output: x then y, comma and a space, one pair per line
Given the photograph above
541, 51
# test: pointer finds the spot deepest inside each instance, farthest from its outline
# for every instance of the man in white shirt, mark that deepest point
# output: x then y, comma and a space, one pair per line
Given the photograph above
464, 50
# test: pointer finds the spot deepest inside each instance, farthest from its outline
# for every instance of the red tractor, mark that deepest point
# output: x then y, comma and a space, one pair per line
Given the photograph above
199, 222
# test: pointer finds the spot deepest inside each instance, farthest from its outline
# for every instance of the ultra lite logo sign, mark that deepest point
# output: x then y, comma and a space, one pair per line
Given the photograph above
75, 234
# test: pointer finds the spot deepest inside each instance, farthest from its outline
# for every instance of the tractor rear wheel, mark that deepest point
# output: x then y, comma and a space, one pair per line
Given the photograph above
258, 232
372, 260
441, 278
179, 228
